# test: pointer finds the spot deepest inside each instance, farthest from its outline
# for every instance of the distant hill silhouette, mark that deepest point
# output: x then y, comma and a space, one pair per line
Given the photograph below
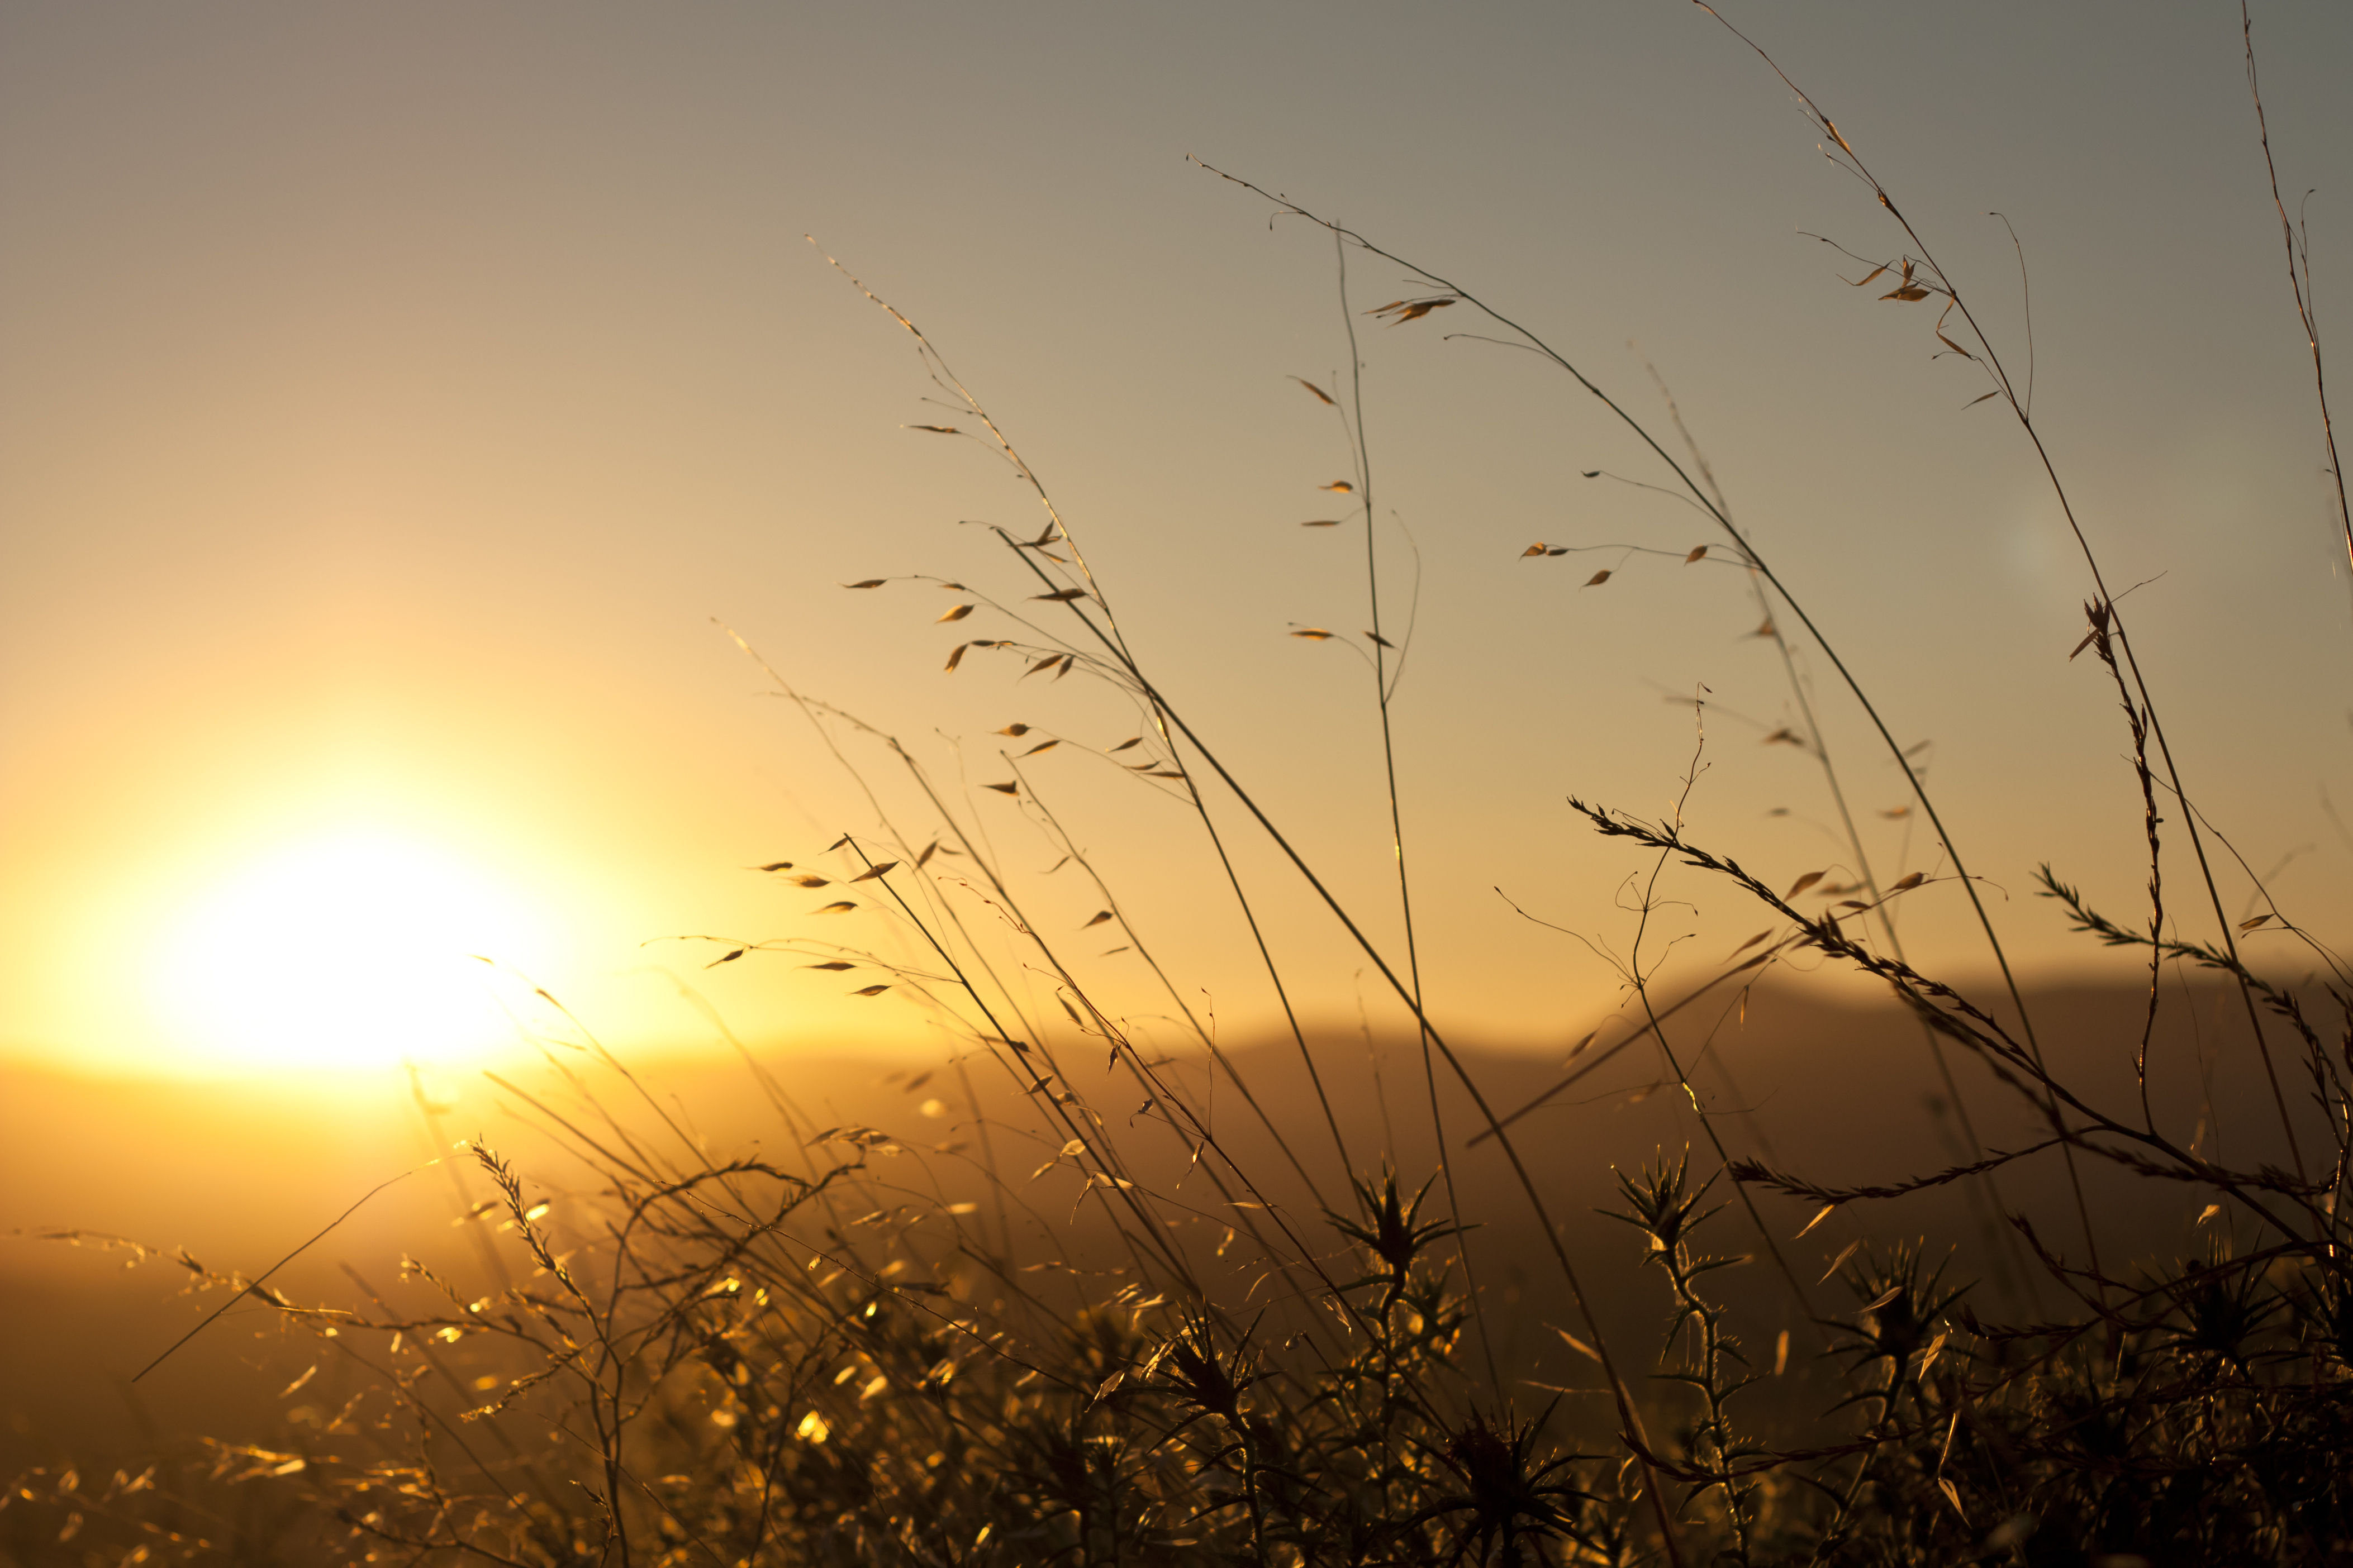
1839, 1091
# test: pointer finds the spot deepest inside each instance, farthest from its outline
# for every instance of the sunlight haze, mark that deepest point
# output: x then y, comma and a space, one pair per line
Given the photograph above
400, 405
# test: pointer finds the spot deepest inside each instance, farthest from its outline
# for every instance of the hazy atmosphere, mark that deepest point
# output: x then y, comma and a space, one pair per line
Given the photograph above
394, 397
1050, 785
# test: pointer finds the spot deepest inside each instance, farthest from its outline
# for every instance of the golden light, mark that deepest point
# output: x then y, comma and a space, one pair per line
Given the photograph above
358, 949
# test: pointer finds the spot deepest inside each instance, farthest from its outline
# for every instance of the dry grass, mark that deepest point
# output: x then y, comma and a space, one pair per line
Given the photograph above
835, 1355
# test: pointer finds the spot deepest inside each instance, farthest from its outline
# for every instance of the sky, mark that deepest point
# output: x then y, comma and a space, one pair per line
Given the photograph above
396, 403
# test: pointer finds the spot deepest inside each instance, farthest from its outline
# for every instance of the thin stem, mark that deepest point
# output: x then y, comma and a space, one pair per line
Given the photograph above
1397, 821
1994, 367
1919, 790
2005, 1251
2299, 282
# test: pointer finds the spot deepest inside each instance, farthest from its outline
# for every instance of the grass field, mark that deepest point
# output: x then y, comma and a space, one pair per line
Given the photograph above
1799, 1253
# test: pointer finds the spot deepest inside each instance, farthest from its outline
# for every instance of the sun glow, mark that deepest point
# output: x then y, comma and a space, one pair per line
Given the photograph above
355, 951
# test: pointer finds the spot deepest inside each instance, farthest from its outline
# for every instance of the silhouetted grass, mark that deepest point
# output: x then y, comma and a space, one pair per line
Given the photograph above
837, 1355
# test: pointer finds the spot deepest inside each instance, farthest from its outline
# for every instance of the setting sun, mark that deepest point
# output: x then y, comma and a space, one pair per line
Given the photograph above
1685, 897
359, 949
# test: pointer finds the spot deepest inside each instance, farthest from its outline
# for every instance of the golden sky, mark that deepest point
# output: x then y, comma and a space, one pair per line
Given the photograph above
393, 399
